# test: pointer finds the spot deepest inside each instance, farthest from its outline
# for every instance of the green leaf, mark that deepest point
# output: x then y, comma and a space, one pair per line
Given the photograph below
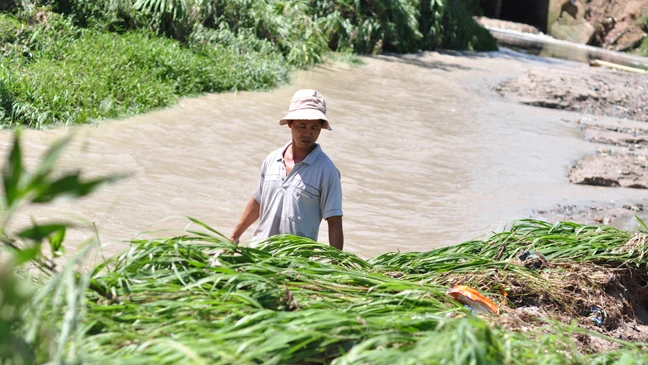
13, 173
642, 223
56, 242
194, 220
28, 254
38, 233
49, 159
70, 186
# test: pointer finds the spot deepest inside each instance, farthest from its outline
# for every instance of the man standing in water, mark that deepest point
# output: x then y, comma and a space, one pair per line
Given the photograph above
299, 184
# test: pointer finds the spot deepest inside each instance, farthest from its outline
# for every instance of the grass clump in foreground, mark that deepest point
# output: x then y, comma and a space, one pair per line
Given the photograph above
296, 301
568, 294
78, 60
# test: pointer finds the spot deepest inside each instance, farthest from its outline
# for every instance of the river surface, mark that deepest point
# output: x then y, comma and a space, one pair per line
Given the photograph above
429, 154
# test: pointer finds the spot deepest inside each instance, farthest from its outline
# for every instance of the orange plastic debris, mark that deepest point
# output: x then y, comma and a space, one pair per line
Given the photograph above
472, 298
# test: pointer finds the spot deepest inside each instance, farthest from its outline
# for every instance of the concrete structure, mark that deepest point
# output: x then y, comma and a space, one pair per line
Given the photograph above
562, 19
566, 21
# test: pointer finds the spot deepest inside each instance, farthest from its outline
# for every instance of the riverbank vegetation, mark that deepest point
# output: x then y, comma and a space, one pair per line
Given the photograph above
567, 294
80, 60
643, 49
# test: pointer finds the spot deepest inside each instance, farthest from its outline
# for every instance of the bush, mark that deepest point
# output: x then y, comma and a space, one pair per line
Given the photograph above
74, 79
302, 30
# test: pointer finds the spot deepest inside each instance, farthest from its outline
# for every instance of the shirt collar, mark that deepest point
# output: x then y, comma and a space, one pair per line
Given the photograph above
309, 160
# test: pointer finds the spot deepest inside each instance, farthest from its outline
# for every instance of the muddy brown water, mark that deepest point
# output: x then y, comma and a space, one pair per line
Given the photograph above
429, 155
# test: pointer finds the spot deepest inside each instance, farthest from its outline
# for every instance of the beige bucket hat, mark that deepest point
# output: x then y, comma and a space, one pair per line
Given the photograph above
307, 104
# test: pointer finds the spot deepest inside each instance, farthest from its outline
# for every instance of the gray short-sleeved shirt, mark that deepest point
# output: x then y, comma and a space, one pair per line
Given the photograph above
297, 203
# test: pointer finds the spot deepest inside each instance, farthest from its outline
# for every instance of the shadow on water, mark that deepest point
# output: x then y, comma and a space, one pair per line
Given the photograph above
507, 54
417, 60
421, 60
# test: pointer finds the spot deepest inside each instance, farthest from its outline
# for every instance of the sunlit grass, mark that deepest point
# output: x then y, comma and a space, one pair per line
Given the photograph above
199, 299
95, 75
292, 300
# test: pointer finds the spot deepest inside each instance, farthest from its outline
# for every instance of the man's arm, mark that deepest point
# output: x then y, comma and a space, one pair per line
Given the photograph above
336, 234
250, 215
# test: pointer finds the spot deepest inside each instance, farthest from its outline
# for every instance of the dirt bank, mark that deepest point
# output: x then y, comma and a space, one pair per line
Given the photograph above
617, 22
634, 137
595, 297
612, 169
597, 91
592, 215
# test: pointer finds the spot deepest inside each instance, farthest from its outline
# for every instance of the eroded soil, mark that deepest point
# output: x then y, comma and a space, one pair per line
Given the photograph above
617, 22
596, 91
591, 215
612, 169
607, 299
635, 137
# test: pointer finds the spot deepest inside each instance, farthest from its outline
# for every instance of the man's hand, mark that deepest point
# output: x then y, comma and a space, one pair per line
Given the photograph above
250, 215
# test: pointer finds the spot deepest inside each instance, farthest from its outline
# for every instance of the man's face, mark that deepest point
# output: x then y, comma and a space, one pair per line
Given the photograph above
305, 132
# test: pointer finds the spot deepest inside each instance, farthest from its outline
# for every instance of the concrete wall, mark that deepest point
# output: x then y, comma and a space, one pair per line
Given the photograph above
532, 12
566, 20
563, 19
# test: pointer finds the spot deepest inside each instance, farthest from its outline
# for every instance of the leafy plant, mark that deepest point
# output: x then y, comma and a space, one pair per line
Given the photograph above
29, 321
75, 61
41, 186
78, 78
15, 293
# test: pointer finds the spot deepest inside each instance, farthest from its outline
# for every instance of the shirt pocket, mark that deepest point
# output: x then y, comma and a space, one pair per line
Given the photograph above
303, 191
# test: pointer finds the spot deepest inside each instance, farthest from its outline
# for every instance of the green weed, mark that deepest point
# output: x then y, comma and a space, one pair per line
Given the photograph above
104, 75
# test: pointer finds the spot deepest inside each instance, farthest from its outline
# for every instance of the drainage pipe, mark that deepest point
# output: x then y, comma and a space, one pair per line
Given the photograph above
547, 46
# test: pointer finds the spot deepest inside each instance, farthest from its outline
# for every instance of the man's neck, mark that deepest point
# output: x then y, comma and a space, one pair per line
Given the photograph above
298, 154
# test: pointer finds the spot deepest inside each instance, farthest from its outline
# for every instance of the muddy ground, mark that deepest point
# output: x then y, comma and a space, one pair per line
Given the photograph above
621, 160
593, 215
597, 91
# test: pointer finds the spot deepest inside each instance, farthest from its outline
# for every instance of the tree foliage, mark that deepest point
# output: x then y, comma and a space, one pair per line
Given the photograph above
302, 29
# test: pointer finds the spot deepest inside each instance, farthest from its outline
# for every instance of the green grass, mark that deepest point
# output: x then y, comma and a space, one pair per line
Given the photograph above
643, 23
296, 301
91, 75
